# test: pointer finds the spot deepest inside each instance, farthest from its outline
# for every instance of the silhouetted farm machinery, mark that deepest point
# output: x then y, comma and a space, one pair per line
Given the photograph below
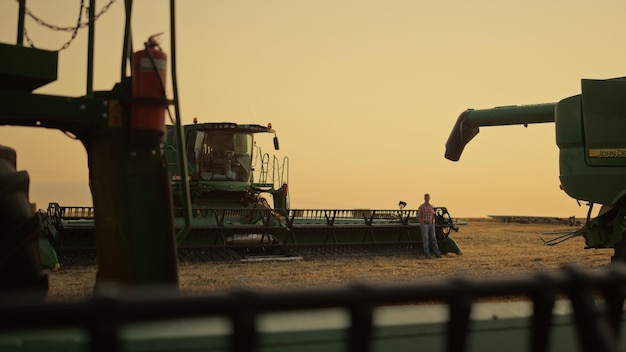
142, 210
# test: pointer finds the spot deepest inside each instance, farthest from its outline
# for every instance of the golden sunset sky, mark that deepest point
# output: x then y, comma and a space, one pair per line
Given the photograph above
363, 94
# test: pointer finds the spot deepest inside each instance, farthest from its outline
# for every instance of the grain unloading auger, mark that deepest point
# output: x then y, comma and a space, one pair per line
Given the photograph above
592, 152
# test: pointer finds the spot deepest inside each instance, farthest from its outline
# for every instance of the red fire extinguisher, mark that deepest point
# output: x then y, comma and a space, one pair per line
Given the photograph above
147, 121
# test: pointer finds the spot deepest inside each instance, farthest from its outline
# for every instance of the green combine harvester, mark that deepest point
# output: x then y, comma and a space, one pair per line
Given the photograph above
237, 217
156, 189
592, 153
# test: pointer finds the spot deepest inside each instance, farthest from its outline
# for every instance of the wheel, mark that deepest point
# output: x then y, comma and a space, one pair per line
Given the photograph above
443, 223
20, 268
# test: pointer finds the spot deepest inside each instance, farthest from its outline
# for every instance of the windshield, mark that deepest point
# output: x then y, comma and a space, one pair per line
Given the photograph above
224, 155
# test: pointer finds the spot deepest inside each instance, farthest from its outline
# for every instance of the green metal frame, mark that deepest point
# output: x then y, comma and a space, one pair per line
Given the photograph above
128, 180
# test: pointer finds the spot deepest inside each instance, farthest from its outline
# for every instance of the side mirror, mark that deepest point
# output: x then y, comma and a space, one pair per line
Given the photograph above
276, 147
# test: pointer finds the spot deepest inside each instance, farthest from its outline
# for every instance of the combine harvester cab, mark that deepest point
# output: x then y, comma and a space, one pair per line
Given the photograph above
221, 161
592, 153
229, 206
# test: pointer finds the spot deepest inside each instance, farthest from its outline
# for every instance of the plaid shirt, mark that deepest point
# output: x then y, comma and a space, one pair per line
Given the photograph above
426, 214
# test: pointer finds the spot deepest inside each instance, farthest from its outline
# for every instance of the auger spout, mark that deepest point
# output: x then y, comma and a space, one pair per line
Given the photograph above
468, 123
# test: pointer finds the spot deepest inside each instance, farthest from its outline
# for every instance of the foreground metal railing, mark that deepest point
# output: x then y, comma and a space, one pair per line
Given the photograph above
58, 212
597, 321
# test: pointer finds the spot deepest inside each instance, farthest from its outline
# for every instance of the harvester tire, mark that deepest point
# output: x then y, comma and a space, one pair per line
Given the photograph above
20, 268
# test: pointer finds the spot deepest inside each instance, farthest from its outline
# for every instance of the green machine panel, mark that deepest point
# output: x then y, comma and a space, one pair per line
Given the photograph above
23, 68
604, 121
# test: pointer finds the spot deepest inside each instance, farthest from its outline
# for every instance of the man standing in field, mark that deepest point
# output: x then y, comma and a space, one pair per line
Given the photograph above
426, 218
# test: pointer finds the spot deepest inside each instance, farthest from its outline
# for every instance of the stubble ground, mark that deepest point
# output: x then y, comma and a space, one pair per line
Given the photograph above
490, 249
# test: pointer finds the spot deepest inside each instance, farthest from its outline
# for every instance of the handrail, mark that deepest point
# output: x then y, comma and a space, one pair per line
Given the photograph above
180, 133
91, 46
20, 22
127, 48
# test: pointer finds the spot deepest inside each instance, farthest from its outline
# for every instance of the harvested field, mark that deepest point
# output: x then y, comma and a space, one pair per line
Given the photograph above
490, 249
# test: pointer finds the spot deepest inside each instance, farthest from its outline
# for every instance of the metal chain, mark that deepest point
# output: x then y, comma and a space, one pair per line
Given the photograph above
79, 23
